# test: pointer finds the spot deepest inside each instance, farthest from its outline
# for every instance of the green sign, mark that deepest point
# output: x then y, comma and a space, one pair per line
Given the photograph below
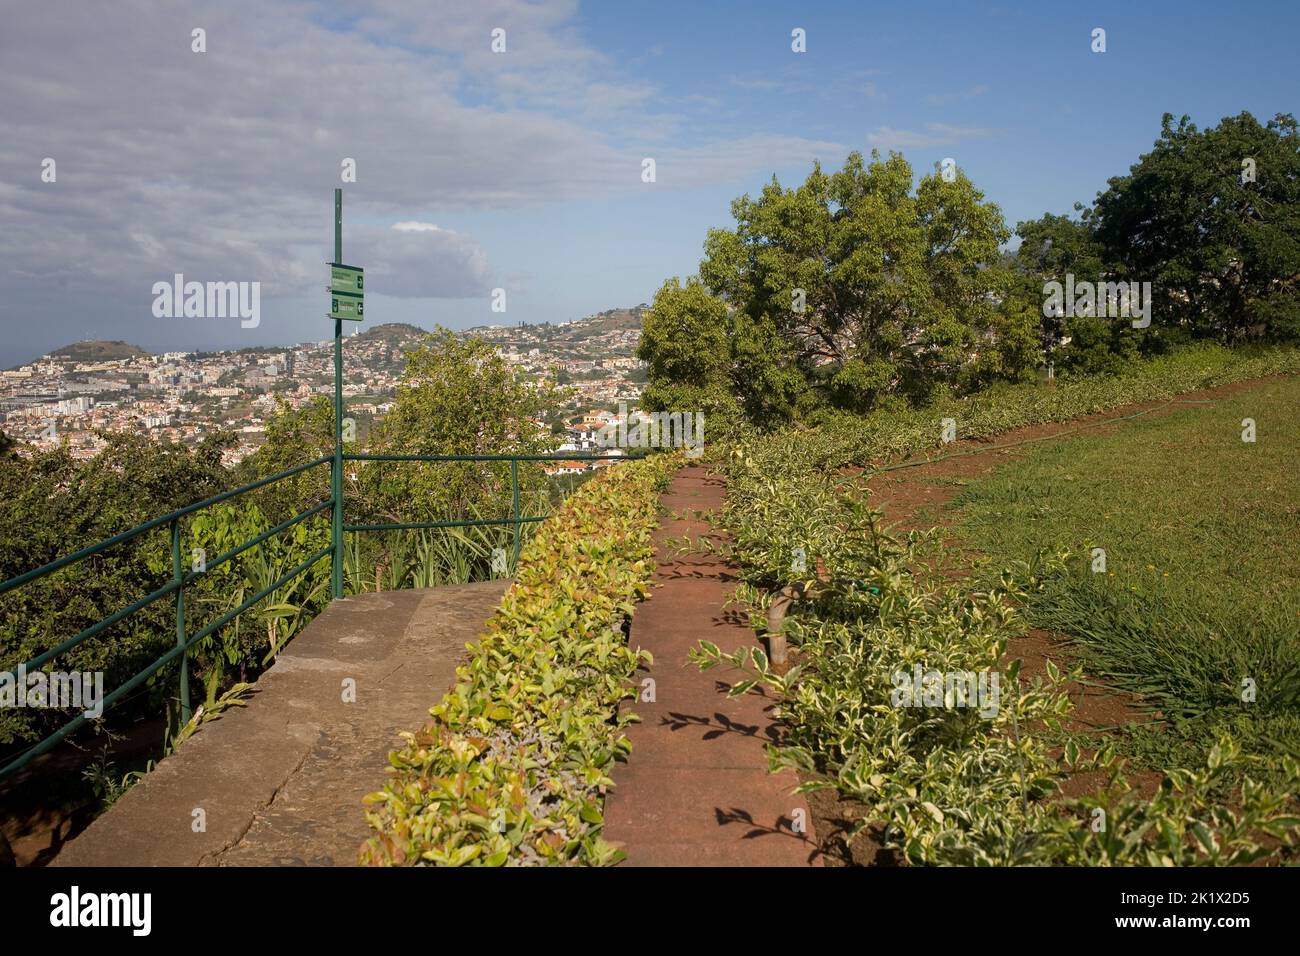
347, 291
344, 306
349, 279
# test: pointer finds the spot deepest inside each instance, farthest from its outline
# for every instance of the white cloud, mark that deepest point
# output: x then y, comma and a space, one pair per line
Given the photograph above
225, 160
418, 260
221, 165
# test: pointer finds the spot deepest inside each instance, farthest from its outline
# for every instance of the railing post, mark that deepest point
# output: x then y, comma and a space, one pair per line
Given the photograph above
178, 575
514, 510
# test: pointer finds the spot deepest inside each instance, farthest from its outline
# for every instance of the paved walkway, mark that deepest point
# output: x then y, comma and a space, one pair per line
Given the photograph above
280, 781
696, 790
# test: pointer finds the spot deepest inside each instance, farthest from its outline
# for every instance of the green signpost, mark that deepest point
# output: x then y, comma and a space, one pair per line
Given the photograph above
344, 306
347, 292
350, 280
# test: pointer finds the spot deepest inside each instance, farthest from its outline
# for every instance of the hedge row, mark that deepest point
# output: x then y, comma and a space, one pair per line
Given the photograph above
843, 439
513, 767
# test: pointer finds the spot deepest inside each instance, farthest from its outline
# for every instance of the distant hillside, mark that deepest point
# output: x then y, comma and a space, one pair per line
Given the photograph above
394, 333
98, 351
611, 320
620, 318
571, 338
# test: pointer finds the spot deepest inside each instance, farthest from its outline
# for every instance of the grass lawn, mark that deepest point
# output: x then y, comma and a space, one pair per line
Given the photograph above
1200, 597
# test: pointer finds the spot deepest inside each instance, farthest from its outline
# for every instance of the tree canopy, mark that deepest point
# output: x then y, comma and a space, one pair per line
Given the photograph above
861, 288
457, 396
844, 291
1210, 218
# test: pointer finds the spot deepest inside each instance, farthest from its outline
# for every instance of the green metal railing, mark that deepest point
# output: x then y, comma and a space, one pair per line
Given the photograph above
180, 579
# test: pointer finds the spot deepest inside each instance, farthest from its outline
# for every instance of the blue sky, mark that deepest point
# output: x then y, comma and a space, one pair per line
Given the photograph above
528, 163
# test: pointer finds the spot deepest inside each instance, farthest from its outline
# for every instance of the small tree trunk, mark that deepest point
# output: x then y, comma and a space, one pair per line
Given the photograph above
776, 612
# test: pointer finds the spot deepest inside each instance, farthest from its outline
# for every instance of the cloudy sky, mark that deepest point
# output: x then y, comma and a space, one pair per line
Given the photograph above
522, 170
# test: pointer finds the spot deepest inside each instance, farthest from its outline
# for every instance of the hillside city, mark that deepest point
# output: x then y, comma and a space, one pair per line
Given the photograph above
76, 393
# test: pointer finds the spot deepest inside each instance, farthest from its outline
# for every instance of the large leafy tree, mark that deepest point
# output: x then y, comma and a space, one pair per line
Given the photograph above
1212, 219
850, 288
1054, 245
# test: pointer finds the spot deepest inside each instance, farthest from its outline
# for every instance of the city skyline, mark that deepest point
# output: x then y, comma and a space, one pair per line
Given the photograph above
76, 397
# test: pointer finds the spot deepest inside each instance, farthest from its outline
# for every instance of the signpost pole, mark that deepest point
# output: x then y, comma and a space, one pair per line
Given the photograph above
336, 476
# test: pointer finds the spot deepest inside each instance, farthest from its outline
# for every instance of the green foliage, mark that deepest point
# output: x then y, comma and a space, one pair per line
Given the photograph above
512, 767
456, 397
1187, 823
684, 341
1200, 586
1222, 254
52, 505
908, 295
251, 640
1219, 243
1054, 245
840, 439
951, 784
426, 558
901, 294
1050, 248
293, 437
955, 786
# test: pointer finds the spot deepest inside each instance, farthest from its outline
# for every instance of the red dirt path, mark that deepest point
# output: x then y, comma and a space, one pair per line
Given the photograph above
696, 790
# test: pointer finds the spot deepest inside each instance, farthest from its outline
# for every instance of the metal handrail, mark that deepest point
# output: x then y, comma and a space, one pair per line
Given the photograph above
551, 456
180, 579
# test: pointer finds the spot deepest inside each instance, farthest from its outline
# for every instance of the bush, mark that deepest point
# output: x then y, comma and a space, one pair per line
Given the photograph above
514, 764
948, 784
840, 439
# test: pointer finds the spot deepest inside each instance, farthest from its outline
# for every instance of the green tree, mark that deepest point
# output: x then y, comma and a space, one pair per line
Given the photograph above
684, 342
293, 437
457, 396
52, 505
846, 290
1053, 245
1212, 219
1051, 248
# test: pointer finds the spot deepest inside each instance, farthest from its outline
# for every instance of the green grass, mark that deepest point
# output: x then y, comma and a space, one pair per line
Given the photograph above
1202, 583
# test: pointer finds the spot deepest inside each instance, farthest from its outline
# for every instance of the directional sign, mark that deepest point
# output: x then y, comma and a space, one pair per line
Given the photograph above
347, 291
344, 306
349, 279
